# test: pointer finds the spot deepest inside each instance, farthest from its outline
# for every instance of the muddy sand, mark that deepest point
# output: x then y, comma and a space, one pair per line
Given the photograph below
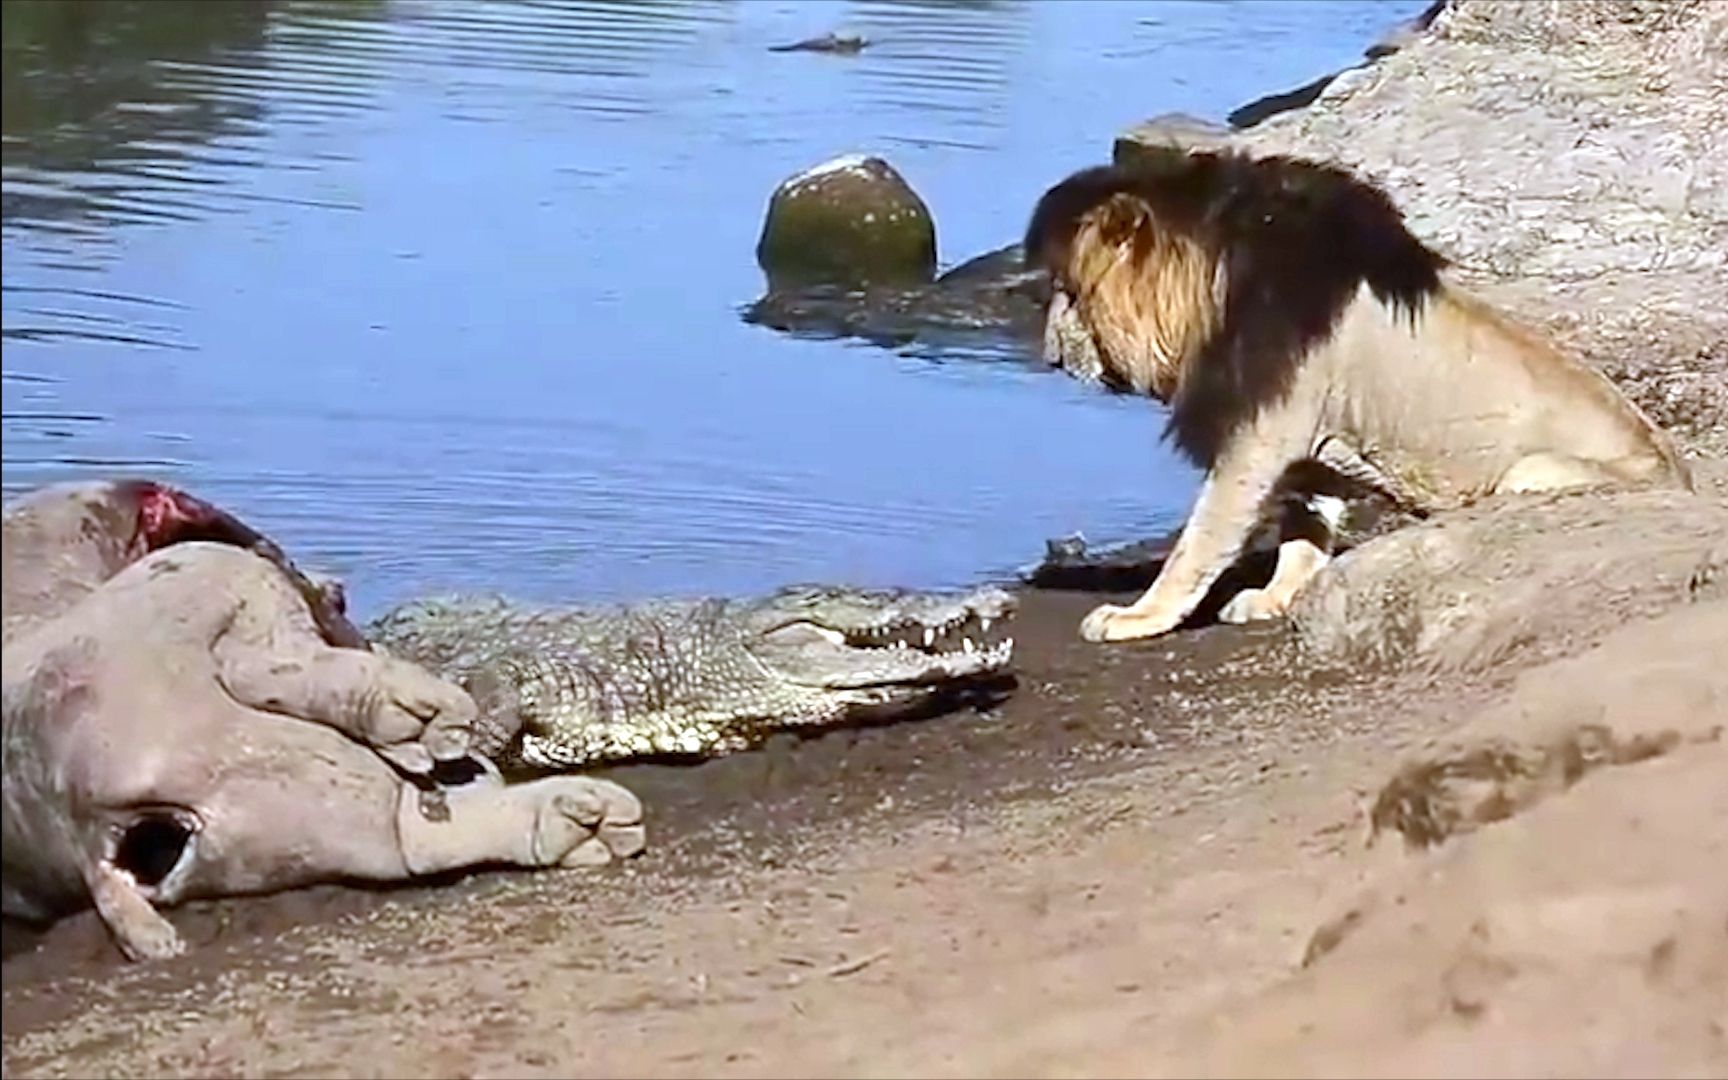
1121, 869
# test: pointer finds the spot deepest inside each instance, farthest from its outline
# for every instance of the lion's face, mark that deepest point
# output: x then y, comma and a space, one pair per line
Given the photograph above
1132, 302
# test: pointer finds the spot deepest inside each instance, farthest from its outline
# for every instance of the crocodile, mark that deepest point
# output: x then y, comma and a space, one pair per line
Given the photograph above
839, 44
561, 688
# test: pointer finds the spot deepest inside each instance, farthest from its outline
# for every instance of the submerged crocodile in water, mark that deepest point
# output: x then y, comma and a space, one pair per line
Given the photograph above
562, 688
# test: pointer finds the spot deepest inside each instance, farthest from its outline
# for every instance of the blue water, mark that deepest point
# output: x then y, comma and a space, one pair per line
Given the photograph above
445, 295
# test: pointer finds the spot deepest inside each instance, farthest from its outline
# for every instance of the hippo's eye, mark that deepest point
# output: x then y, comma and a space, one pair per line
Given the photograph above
152, 847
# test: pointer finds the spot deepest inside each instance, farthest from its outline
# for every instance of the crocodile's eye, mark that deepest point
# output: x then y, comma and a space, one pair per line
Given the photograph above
801, 632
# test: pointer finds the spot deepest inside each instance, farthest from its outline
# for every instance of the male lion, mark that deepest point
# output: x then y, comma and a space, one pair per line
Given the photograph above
1288, 318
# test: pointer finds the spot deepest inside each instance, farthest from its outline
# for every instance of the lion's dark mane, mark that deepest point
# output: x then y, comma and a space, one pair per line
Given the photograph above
1297, 240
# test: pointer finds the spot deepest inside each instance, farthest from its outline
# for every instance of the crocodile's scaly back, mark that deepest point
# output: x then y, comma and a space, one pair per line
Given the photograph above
562, 688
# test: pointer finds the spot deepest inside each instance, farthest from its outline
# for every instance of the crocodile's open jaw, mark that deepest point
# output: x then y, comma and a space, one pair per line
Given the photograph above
969, 634
910, 642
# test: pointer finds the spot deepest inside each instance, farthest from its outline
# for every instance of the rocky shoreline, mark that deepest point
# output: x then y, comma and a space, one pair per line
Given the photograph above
1572, 160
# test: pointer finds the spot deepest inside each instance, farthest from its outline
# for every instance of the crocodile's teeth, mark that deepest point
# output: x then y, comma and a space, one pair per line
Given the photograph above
966, 646
984, 621
929, 636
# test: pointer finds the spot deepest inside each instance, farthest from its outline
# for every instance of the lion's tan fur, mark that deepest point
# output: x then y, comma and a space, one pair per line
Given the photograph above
1457, 394
1451, 406
1440, 405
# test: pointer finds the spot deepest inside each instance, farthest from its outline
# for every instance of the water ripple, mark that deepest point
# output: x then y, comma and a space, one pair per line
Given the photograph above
951, 59
47, 334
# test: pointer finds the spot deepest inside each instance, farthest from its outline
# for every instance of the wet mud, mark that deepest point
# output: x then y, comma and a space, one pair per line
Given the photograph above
1077, 711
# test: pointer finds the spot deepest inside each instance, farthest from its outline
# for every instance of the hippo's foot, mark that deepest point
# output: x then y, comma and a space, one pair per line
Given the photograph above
138, 928
557, 821
585, 822
413, 719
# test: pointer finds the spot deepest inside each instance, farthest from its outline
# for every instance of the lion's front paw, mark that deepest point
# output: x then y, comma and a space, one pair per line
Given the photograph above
138, 928
1112, 622
1095, 626
1251, 605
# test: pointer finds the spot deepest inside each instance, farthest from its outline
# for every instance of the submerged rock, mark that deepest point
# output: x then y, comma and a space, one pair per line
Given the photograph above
990, 297
854, 221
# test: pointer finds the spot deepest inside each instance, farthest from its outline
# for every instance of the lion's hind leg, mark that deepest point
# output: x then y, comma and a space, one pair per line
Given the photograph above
1308, 535
1298, 561
1546, 470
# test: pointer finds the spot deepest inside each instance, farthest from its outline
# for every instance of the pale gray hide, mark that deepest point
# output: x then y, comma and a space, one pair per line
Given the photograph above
184, 730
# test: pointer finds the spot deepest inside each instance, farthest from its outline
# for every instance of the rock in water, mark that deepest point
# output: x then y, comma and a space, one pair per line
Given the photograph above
850, 221
1145, 141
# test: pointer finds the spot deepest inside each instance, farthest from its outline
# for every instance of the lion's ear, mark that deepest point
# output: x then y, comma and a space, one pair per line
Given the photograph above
1122, 219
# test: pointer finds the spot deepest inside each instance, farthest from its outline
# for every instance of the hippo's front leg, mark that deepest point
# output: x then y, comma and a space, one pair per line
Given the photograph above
565, 821
410, 716
138, 928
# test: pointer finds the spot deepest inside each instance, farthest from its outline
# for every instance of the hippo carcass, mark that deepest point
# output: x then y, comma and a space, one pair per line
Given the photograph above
187, 715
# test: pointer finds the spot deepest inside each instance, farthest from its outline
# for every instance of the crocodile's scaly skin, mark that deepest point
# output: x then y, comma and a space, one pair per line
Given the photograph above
563, 688
570, 717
